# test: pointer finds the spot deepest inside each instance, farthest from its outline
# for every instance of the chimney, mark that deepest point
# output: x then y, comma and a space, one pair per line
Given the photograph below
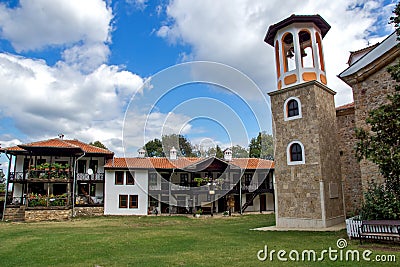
172, 153
228, 154
141, 153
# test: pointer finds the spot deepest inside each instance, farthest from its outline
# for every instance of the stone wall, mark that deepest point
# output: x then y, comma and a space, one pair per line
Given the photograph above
370, 94
89, 211
350, 167
15, 214
36, 215
298, 187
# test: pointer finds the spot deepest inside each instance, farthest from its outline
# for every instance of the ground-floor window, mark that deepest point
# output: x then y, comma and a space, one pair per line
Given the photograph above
123, 201
133, 201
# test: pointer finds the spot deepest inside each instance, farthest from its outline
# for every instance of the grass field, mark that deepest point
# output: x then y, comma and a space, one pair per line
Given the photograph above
166, 241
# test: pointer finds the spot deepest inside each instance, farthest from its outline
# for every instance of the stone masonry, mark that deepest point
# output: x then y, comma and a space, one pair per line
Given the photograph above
310, 194
350, 167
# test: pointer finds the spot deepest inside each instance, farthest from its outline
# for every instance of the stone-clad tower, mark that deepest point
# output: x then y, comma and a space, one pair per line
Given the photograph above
307, 166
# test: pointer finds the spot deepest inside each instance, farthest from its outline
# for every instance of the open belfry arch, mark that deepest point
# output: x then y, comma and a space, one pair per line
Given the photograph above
307, 166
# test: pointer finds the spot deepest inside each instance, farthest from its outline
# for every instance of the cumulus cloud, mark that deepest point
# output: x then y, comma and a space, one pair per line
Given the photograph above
82, 28
37, 24
233, 32
44, 99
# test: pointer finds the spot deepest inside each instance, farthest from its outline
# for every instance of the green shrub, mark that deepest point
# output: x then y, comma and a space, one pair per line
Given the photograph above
380, 203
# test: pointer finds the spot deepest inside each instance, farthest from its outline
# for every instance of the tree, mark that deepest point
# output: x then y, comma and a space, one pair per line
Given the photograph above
261, 146
98, 144
154, 148
181, 143
161, 148
215, 152
239, 152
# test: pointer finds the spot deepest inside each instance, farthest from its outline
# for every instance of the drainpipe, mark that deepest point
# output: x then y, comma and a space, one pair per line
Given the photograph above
240, 194
7, 184
169, 191
74, 185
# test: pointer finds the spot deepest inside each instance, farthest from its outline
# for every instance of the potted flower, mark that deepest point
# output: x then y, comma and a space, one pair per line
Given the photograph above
199, 212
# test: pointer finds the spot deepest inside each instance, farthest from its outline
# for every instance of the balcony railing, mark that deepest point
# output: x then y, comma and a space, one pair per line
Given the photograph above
42, 175
49, 174
98, 177
89, 200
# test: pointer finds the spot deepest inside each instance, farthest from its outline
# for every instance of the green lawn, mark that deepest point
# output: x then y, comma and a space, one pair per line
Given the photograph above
164, 241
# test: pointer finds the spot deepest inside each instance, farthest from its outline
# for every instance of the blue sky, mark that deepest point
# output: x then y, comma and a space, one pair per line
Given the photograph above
104, 70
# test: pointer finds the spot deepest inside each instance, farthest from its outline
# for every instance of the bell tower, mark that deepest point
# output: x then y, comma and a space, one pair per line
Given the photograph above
308, 186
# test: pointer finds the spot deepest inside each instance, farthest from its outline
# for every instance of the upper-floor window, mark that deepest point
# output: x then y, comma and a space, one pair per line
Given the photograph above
292, 109
130, 178
295, 153
119, 177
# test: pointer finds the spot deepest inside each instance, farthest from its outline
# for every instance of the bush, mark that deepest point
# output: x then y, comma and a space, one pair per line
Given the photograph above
380, 203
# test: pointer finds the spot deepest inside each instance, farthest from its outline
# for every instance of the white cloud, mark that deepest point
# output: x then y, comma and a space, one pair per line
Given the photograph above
83, 28
45, 101
40, 23
138, 4
233, 32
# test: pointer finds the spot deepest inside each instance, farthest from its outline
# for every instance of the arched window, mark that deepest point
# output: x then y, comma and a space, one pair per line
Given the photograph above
305, 49
292, 109
288, 53
321, 58
278, 65
295, 153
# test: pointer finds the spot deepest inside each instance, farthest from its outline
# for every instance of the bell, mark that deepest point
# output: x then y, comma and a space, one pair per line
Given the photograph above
290, 53
303, 53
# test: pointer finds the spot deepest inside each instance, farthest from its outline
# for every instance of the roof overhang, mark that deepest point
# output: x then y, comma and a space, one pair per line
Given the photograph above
316, 19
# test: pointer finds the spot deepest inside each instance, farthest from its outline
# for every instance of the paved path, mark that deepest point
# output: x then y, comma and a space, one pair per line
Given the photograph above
334, 228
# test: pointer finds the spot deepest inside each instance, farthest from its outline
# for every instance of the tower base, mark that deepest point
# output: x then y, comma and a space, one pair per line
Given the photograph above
308, 223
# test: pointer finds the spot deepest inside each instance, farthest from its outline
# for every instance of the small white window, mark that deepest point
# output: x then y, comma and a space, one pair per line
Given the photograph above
295, 153
292, 109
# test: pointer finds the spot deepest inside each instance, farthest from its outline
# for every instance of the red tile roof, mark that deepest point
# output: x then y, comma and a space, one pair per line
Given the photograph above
180, 163
350, 105
148, 163
253, 163
59, 143
88, 148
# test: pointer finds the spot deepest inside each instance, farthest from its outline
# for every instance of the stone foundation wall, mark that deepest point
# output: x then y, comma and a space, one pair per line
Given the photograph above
14, 214
37, 215
89, 211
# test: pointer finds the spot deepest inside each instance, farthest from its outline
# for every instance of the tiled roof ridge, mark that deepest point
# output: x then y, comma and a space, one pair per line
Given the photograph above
47, 140
345, 106
107, 151
183, 162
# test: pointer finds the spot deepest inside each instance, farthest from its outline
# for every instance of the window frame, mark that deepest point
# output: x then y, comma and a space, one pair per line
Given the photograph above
286, 109
116, 182
289, 154
130, 175
131, 197
122, 199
